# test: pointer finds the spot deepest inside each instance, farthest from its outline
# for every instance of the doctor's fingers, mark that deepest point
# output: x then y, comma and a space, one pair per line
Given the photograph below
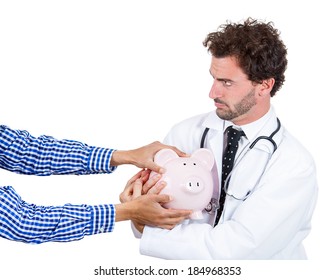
151, 182
157, 188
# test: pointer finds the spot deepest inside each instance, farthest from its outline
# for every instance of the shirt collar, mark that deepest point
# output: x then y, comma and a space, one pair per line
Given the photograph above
252, 129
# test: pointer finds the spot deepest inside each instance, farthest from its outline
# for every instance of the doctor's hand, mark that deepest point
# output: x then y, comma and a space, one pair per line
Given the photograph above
147, 208
143, 157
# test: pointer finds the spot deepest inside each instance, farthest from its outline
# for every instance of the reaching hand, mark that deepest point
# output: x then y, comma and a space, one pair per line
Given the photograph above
147, 208
143, 157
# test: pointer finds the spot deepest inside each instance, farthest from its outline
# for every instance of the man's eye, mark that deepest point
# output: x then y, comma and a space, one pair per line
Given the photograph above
227, 83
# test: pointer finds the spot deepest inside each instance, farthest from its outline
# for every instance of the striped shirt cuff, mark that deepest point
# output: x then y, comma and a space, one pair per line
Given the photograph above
99, 160
103, 218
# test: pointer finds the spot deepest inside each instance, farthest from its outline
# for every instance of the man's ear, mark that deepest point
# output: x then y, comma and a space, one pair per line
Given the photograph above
266, 86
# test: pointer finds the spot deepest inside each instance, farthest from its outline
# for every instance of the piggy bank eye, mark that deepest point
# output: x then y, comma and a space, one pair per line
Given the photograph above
194, 163
184, 163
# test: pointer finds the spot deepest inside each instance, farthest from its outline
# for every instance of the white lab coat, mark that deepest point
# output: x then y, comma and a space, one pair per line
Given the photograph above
269, 224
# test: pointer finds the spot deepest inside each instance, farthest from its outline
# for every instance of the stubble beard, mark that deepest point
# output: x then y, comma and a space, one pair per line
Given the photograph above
241, 108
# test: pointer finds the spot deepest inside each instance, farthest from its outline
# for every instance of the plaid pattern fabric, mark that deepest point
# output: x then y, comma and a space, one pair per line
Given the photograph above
20, 221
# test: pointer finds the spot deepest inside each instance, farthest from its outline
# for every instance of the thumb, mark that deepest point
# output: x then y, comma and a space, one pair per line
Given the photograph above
154, 167
163, 198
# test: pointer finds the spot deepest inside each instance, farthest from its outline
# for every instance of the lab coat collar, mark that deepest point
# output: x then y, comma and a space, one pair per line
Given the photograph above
261, 127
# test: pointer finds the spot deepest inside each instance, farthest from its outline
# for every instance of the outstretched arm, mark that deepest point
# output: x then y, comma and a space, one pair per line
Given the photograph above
29, 223
23, 153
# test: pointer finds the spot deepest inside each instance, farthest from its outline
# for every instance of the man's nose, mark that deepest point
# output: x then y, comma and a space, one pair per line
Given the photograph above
216, 90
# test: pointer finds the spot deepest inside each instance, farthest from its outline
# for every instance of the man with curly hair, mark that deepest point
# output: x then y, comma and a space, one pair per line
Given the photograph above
262, 209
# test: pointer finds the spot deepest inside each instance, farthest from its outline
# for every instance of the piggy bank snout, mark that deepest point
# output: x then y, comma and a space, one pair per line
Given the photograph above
194, 184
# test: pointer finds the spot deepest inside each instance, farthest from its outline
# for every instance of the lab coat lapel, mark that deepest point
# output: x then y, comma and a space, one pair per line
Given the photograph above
214, 142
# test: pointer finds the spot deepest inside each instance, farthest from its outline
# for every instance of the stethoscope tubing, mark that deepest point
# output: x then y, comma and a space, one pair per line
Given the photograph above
243, 154
270, 138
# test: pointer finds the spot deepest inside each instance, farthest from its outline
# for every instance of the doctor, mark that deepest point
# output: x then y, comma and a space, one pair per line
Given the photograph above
272, 190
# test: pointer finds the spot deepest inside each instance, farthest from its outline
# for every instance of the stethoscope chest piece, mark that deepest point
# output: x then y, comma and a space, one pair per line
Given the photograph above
213, 206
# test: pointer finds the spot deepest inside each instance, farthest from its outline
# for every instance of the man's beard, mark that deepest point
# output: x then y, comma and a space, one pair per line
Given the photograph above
241, 107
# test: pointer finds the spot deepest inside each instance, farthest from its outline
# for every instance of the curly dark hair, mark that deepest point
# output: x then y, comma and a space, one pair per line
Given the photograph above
257, 47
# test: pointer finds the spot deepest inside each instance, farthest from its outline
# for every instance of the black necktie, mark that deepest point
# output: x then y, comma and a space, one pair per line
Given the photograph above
233, 137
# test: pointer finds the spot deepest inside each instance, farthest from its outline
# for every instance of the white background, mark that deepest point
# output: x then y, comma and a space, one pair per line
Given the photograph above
119, 74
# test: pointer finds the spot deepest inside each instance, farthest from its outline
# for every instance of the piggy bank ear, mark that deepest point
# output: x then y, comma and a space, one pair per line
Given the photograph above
205, 156
164, 155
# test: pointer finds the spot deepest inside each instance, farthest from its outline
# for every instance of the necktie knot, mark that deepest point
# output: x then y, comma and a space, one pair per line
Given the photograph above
233, 136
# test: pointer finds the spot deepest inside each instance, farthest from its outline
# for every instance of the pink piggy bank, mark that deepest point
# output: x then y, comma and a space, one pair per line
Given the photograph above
189, 180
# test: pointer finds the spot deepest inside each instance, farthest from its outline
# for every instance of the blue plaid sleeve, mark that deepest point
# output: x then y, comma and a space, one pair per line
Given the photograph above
29, 223
22, 153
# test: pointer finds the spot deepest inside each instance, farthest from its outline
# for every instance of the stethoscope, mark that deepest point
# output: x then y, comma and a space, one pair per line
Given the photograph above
214, 204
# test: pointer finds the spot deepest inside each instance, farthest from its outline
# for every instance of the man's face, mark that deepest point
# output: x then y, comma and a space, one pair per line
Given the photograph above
233, 93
